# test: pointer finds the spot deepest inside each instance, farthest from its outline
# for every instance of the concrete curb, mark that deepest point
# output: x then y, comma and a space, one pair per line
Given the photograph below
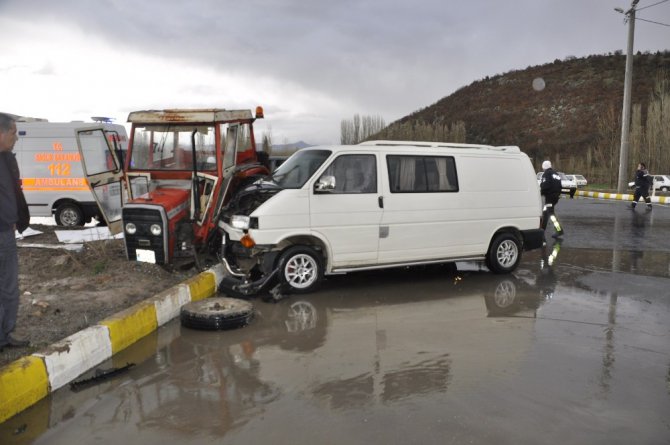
29, 379
621, 196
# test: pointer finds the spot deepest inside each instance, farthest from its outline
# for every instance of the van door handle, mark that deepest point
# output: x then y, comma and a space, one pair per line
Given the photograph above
380, 201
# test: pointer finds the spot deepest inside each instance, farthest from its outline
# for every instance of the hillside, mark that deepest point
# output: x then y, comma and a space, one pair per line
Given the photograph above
560, 120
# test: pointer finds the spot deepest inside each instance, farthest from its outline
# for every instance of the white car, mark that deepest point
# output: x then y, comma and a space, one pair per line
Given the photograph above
579, 180
662, 183
567, 182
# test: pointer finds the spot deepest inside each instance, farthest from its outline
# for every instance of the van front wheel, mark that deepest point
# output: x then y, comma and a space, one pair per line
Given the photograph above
300, 269
69, 215
504, 254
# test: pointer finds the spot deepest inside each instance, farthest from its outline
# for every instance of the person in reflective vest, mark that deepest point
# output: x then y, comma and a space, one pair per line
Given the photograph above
642, 183
550, 189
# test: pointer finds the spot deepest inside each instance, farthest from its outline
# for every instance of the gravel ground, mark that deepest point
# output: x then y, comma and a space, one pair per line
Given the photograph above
63, 291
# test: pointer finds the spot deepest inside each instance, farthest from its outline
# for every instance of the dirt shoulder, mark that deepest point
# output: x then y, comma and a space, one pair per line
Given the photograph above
62, 292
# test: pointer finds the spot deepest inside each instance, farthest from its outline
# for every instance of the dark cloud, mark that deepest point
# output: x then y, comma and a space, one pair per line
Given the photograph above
381, 57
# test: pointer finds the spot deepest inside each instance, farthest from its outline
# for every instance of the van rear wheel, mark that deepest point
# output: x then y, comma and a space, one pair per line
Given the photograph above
69, 215
300, 269
504, 254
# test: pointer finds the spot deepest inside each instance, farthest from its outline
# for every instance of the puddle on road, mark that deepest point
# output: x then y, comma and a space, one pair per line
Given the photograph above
408, 355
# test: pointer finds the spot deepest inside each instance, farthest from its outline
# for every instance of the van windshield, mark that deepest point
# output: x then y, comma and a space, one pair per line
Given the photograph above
297, 169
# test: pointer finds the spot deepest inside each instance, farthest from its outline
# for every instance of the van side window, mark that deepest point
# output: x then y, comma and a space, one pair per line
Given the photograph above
354, 174
421, 174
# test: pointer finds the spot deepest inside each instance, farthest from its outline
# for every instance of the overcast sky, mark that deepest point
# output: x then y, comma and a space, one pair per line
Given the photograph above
309, 63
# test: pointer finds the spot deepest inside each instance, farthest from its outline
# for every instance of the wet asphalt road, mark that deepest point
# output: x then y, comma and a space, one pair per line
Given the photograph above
573, 348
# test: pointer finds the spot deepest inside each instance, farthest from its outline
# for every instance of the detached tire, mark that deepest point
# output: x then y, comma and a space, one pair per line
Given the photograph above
504, 254
300, 269
217, 313
69, 215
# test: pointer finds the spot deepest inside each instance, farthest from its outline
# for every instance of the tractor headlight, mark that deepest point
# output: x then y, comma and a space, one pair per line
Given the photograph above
131, 228
156, 229
240, 222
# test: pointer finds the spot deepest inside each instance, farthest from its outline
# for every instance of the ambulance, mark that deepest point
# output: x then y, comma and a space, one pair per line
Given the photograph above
53, 180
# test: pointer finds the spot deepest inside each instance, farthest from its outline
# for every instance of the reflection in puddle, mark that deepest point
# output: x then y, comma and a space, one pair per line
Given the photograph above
426, 377
410, 380
563, 331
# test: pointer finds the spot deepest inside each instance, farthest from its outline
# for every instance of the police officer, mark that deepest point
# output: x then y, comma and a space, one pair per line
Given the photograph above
550, 188
642, 183
14, 215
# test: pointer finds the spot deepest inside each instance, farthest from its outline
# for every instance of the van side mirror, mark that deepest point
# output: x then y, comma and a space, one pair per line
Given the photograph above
325, 184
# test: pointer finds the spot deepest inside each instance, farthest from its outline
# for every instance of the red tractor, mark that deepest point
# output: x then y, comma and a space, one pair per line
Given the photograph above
180, 168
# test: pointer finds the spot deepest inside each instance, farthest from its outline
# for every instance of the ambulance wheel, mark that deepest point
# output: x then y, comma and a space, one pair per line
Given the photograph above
504, 254
216, 313
300, 269
69, 215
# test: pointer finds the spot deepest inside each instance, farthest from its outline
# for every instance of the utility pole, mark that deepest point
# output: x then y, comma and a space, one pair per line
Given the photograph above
625, 114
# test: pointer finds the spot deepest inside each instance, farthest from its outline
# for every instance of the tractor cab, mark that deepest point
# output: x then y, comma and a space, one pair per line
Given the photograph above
180, 168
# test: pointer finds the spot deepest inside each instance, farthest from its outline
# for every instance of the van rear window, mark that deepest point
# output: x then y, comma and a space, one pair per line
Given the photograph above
422, 174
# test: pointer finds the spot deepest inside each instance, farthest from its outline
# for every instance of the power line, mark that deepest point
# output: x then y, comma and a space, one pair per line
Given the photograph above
627, 14
651, 21
657, 3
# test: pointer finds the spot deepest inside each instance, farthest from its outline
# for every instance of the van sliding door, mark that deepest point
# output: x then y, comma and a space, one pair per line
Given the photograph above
423, 218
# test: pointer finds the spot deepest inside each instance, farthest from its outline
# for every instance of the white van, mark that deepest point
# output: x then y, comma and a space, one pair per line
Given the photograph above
50, 164
380, 204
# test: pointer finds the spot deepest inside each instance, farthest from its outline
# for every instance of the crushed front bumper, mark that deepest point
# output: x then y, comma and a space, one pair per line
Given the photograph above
241, 285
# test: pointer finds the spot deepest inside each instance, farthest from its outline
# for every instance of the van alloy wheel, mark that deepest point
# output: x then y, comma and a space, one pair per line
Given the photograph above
300, 269
504, 254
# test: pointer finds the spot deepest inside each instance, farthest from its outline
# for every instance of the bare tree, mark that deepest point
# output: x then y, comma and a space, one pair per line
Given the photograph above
267, 141
347, 132
358, 129
657, 131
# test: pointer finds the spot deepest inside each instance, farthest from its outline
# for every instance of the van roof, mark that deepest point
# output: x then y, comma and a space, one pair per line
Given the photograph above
421, 144
189, 115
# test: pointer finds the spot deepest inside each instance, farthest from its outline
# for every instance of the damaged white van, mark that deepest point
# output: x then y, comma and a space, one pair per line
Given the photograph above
380, 204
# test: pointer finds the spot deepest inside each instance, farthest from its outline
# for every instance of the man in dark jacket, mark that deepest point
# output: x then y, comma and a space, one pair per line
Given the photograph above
14, 215
550, 188
642, 183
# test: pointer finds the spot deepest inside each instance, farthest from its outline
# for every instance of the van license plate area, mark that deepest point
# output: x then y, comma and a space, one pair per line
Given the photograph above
146, 256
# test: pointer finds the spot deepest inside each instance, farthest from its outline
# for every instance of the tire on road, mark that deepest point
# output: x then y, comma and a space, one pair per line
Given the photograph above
217, 313
504, 254
300, 269
69, 214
